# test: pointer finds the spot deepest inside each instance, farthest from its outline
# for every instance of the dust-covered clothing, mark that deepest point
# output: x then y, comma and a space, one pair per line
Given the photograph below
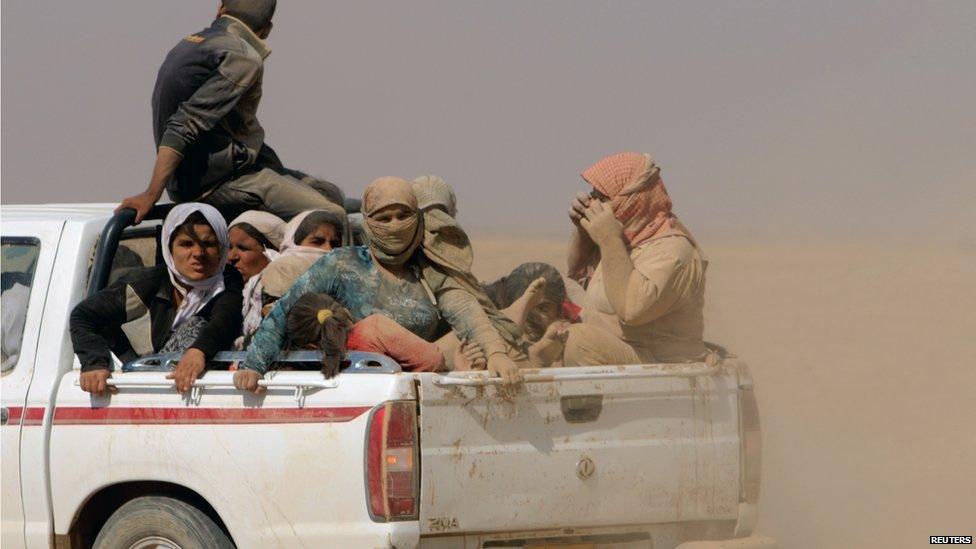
448, 259
591, 345
381, 334
668, 323
266, 189
350, 276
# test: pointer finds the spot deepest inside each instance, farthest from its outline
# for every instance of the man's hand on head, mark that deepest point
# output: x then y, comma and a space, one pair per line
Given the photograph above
577, 208
601, 224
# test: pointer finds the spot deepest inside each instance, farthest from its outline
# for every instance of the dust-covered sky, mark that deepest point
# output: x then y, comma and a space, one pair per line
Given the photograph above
768, 118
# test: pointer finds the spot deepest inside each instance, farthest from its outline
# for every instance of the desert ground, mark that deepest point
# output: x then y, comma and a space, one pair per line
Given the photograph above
863, 359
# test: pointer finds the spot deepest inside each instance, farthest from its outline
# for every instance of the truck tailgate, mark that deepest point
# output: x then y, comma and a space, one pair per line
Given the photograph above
578, 447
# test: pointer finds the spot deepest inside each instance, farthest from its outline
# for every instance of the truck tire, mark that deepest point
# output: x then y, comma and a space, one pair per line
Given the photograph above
153, 522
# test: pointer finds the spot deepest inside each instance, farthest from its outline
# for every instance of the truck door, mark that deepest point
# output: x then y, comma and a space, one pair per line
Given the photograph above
28, 250
273, 467
578, 448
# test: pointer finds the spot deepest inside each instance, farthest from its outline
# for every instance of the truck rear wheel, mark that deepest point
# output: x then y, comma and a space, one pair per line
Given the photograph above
155, 522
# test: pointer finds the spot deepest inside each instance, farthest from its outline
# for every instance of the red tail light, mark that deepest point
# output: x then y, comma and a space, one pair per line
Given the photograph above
751, 439
392, 476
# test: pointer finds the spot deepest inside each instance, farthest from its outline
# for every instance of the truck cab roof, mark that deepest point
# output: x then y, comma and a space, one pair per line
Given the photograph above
57, 212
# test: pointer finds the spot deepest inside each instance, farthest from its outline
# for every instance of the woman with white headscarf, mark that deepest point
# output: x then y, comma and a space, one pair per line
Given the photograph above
190, 305
307, 237
387, 277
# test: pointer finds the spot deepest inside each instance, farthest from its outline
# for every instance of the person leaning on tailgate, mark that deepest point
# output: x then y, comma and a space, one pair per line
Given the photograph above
210, 146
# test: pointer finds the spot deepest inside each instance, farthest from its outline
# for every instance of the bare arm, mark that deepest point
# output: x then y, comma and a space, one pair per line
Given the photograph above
167, 160
583, 253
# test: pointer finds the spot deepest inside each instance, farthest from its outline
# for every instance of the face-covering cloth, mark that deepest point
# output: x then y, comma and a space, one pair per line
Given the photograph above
393, 242
632, 182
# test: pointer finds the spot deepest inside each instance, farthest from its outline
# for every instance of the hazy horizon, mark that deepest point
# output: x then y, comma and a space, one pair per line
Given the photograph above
768, 119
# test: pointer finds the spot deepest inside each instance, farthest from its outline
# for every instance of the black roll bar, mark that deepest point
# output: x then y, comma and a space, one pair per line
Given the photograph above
109, 242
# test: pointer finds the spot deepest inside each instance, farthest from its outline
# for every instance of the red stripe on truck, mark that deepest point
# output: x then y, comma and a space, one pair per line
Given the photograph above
76, 415
29, 416
13, 415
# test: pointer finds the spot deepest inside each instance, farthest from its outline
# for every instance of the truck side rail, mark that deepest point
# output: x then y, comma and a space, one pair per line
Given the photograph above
359, 362
585, 373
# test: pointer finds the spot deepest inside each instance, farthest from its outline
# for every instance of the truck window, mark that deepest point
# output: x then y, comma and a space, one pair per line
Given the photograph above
19, 258
137, 249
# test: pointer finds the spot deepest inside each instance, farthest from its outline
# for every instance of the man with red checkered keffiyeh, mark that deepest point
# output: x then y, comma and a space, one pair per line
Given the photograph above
643, 271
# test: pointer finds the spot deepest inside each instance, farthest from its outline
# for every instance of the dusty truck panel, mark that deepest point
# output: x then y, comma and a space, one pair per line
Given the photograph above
576, 452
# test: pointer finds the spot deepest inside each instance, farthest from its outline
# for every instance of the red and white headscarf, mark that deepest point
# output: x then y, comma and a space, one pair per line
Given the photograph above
632, 182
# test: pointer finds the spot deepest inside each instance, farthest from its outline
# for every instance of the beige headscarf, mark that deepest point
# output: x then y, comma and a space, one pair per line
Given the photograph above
278, 277
395, 242
449, 251
431, 190
270, 226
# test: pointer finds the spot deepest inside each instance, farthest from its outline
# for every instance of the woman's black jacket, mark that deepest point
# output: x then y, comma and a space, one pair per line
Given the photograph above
134, 316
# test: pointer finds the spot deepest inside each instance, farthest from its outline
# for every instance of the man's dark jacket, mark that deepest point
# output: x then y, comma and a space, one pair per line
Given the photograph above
205, 108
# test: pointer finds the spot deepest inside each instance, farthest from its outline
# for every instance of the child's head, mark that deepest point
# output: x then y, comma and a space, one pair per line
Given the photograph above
317, 321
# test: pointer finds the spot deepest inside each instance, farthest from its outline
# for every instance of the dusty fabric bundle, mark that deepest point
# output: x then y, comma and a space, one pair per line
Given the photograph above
395, 242
448, 250
196, 293
282, 273
432, 191
632, 182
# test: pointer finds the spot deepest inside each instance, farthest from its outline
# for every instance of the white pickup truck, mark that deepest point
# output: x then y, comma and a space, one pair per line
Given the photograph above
651, 456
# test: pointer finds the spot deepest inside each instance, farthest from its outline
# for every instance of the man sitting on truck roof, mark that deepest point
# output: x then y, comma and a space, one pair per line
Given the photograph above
210, 145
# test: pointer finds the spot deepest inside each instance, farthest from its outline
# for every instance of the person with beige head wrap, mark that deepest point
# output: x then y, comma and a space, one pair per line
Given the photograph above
449, 258
387, 277
643, 271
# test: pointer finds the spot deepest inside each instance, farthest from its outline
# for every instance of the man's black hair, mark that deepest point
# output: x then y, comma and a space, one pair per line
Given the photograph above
256, 14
